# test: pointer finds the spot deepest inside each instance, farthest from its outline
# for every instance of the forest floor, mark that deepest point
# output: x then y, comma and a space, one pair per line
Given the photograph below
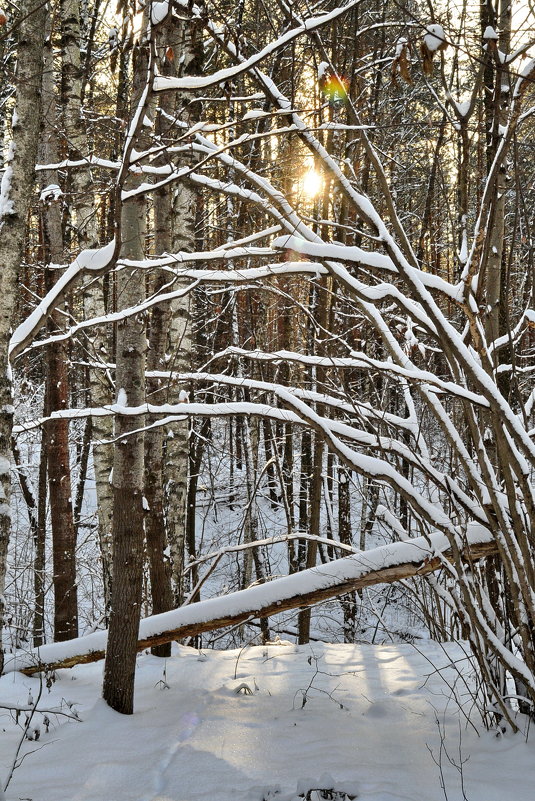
268, 723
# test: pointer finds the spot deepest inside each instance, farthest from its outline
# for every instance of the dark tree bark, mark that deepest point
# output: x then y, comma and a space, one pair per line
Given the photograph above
128, 461
57, 382
348, 602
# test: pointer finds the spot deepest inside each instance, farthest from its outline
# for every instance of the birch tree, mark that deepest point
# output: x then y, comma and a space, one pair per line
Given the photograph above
15, 194
84, 220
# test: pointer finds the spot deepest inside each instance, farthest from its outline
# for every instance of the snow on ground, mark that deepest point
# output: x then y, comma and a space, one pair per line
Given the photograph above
370, 717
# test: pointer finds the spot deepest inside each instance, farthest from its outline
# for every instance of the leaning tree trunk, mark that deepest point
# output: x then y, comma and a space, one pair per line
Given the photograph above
377, 566
15, 194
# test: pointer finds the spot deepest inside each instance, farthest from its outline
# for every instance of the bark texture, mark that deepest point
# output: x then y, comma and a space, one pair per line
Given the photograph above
15, 195
57, 379
160, 350
128, 452
83, 214
186, 60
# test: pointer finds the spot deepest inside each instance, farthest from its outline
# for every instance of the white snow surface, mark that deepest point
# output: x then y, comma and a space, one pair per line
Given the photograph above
254, 114
367, 725
323, 68
6, 202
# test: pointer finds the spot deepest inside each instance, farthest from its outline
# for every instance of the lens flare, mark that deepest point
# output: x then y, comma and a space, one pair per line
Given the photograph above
187, 725
335, 88
312, 183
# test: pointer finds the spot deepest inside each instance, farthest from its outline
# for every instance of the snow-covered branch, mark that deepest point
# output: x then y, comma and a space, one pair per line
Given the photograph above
385, 564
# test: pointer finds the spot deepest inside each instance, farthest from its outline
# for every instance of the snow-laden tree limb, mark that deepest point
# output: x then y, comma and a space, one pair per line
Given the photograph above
97, 261
379, 469
385, 564
195, 82
362, 360
457, 351
94, 261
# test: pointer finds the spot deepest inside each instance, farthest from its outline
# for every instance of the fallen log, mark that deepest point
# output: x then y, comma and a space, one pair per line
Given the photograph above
383, 565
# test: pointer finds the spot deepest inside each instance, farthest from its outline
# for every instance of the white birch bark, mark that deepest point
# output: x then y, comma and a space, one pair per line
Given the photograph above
180, 343
83, 208
15, 195
176, 466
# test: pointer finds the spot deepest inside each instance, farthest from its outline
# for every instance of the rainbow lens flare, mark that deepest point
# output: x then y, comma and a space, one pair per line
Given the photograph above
188, 723
335, 88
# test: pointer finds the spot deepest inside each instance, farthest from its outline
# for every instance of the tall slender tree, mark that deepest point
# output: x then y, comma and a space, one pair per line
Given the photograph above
15, 196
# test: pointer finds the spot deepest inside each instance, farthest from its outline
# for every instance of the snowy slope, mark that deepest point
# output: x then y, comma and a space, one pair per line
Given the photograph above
370, 716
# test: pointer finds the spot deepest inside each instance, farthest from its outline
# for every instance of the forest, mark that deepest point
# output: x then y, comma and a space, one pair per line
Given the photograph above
267, 333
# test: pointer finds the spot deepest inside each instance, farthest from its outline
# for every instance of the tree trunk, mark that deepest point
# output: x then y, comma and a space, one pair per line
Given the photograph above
128, 534
321, 312
348, 602
128, 451
314, 529
39, 562
186, 60
160, 345
15, 196
61, 513
278, 596
57, 382
83, 205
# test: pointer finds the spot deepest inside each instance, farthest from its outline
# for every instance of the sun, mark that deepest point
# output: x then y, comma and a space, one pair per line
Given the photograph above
312, 183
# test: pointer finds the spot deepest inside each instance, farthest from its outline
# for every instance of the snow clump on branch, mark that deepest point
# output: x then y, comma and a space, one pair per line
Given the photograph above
434, 40
158, 12
50, 194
